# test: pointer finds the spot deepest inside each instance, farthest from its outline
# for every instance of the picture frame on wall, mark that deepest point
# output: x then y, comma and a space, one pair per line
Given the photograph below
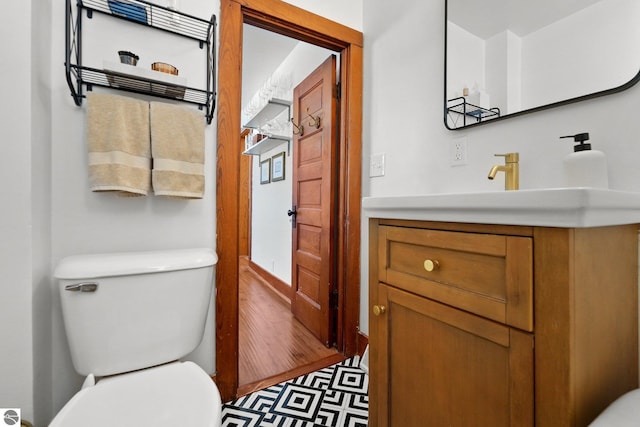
277, 167
265, 171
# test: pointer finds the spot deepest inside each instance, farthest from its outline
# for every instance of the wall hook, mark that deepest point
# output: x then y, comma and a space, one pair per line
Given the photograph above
300, 129
316, 120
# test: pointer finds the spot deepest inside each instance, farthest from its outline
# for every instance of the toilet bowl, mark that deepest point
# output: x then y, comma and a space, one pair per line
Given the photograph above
178, 394
623, 412
129, 318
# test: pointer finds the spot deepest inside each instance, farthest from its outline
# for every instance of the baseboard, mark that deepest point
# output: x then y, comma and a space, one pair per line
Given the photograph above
244, 261
279, 285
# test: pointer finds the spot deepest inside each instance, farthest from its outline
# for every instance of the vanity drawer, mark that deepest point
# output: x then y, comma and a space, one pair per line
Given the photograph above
487, 274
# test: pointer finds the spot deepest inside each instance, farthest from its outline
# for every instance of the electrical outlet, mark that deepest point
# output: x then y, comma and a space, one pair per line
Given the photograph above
458, 152
376, 165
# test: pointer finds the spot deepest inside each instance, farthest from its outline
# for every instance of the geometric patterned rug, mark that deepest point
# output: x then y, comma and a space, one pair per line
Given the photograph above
331, 397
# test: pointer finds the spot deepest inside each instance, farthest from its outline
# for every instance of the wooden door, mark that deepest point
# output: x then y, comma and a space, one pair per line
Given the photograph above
439, 366
314, 177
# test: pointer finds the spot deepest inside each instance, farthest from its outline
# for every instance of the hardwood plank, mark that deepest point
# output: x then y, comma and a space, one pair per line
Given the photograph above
285, 376
272, 341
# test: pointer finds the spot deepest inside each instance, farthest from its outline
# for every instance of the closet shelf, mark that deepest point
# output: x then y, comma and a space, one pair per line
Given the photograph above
270, 111
266, 144
140, 12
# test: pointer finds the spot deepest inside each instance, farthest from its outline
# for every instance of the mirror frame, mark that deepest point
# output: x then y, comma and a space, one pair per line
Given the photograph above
588, 96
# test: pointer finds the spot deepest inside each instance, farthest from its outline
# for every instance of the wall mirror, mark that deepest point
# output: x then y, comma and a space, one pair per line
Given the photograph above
509, 57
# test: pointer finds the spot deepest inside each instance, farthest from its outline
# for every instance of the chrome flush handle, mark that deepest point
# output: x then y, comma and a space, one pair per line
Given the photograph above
82, 287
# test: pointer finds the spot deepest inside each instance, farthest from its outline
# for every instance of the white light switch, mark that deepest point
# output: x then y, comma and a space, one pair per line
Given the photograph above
376, 165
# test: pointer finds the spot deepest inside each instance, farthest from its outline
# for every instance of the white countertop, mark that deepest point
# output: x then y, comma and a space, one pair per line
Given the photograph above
552, 207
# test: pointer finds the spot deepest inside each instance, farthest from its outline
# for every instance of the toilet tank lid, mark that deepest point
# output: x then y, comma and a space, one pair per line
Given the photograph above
128, 263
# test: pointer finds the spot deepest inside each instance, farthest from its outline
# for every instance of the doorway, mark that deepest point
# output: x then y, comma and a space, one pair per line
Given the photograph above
284, 328
289, 20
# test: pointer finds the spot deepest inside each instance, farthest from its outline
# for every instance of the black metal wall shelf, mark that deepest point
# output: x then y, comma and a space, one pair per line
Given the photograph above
139, 12
461, 106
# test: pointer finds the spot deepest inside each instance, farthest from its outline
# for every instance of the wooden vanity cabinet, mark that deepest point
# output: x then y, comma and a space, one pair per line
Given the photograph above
483, 325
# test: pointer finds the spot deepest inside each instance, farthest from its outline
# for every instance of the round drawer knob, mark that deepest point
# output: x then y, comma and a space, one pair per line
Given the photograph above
379, 309
431, 264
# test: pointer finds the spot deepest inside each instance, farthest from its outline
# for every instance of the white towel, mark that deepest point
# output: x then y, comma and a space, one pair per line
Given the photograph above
177, 149
119, 149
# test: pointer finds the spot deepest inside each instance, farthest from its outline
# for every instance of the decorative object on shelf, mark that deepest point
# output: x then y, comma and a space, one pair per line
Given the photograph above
82, 78
269, 121
127, 57
278, 167
134, 11
265, 171
164, 68
143, 80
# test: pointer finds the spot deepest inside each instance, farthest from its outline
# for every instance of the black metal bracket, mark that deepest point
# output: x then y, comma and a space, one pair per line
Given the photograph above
139, 12
462, 107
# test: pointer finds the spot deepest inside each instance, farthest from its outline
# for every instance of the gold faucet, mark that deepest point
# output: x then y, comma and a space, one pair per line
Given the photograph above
511, 170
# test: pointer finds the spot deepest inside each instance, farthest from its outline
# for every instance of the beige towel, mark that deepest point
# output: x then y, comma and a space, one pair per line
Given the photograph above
118, 144
177, 148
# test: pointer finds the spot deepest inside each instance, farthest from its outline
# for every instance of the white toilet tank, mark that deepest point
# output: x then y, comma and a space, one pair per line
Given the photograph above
128, 311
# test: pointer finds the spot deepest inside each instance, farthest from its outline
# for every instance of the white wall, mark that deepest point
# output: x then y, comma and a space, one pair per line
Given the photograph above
41, 208
466, 54
503, 71
347, 12
271, 227
583, 62
404, 50
16, 224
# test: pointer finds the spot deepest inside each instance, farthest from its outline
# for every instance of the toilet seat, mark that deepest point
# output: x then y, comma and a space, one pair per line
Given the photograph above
177, 394
623, 412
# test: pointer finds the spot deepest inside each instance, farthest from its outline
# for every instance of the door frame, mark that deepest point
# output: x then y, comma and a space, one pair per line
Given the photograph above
289, 20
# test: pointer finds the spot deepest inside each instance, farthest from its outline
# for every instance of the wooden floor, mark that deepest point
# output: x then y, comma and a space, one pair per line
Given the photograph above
273, 346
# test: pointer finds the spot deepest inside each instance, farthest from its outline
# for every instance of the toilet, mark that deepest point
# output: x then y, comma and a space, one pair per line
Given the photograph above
623, 412
129, 318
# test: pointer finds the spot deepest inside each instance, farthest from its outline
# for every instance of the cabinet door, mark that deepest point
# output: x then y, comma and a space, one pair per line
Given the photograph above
440, 366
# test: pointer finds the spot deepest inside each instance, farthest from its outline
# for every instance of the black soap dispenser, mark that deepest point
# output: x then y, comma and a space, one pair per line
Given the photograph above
585, 167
